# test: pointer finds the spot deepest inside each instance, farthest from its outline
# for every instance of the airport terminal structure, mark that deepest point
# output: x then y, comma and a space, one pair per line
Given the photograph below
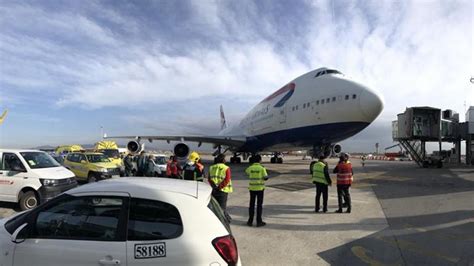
418, 125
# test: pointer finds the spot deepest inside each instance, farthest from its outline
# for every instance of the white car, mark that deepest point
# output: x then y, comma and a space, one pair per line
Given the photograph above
127, 221
29, 177
160, 164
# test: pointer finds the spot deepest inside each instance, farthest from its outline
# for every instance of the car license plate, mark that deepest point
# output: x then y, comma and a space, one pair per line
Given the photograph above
147, 251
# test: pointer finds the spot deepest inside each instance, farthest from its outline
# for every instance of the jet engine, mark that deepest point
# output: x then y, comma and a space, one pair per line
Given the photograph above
134, 146
181, 150
336, 149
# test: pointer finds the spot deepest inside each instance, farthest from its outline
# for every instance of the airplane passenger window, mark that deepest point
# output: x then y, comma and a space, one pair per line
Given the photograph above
333, 99
296, 107
317, 102
292, 108
322, 101
347, 97
328, 100
354, 96
304, 105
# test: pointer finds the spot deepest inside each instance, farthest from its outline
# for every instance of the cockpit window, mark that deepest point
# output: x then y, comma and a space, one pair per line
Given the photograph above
327, 71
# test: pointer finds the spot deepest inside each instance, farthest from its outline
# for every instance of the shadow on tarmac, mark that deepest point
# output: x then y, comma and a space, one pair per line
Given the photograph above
10, 205
400, 180
437, 239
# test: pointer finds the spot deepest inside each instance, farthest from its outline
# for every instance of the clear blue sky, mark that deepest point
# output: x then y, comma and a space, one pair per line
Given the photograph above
164, 67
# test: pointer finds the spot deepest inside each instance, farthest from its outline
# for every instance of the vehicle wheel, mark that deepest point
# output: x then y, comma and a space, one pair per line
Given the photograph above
280, 160
91, 178
156, 174
28, 200
273, 160
238, 160
232, 160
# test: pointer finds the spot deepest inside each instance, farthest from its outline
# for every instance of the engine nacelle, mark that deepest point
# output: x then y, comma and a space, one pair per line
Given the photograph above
135, 147
336, 149
181, 150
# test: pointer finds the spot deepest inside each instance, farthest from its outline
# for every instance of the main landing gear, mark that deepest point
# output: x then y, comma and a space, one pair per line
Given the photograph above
235, 159
276, 158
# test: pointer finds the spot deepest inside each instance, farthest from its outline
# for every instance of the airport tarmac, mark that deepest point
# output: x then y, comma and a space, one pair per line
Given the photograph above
402, 215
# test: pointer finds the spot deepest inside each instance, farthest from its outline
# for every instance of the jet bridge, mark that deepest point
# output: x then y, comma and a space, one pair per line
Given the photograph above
419, 125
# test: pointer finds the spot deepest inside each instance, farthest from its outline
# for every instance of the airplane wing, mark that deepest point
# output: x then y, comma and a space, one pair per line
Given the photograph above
234, 141
3, 116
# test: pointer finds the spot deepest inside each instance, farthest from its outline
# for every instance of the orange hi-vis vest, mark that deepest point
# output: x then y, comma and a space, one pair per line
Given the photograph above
344, 173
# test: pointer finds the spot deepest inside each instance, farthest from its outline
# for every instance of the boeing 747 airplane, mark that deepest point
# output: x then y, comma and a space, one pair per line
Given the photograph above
314, 111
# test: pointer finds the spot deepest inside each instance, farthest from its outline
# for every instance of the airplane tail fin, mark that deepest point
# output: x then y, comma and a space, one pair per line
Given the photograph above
223, 123
3, 116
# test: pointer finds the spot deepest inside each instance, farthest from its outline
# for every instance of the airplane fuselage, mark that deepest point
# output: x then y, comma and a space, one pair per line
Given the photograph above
321, 107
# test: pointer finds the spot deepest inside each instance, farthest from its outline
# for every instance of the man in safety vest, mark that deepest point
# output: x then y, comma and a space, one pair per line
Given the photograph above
172, 168
193, 170
322, 180
344, 180
257, 175
219, 178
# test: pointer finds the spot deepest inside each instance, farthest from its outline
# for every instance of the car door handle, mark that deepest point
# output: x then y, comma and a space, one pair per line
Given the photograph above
109, 261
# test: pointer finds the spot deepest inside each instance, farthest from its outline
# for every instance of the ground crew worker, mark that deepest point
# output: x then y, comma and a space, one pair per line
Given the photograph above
200, 174
344, 181
193, 170
172, 168
363, 160
141, 164
219, 178
257, 175
150, 166
321, 178
128, 164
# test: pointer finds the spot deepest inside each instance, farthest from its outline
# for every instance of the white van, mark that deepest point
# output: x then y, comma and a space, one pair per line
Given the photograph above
30, 177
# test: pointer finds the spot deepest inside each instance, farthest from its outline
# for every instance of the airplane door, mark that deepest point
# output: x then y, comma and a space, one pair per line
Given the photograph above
282, 114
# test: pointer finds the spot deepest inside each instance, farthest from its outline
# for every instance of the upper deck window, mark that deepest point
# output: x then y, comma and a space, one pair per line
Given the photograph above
327, 71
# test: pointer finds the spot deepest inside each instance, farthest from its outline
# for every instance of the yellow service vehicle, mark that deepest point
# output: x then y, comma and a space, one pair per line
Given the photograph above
111, 150
65, 149
91, 166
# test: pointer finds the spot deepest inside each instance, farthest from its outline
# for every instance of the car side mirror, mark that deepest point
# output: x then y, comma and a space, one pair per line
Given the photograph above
83, 162
20, 234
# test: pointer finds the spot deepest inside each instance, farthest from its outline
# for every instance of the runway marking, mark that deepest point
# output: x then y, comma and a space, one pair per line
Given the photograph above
407, 245
440, 234
293, 186
363, 254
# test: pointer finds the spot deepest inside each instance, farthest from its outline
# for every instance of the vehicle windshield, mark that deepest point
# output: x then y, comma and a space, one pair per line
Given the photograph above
58, 158
111, 153
160, 160
38, 160
97, 158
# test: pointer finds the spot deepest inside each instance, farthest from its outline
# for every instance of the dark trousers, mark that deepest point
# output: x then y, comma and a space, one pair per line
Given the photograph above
321, 189
221, 198
343, 192
259, 196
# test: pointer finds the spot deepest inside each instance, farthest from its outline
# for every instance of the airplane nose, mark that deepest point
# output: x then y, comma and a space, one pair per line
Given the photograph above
371, 104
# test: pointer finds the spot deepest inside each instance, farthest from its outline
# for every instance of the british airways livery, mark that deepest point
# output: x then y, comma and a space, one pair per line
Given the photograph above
314, 111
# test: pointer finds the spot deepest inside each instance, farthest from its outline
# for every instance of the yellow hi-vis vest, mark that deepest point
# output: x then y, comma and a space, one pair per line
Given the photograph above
217, 175
318, 173
257, 174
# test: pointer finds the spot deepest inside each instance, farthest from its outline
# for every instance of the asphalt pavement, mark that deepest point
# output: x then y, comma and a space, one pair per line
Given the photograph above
401, 215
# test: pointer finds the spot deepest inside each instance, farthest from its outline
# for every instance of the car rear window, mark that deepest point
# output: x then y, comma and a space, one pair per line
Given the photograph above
216, 209
153, 220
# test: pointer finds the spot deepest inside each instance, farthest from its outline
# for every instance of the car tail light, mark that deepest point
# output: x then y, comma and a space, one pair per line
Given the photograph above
227, 248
